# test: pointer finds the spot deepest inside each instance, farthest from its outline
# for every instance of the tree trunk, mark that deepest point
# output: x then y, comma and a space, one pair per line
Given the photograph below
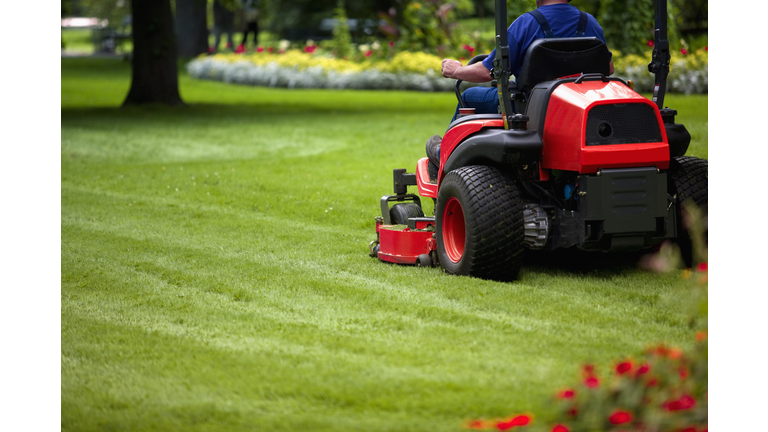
155, 75
192, 27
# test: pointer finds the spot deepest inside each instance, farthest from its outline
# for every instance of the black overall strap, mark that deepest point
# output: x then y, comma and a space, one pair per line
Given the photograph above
581, 29
543, 23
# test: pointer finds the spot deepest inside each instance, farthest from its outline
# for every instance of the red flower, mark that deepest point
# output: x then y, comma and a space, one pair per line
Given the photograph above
589, 369
391, 44
650, 43
643, 369
675, 353
310, 49
271, 50
560, 428
476, 424
685, 402
706, 48
591, 382
620, 417
683, 51
623, 367
520, 420
700, 336
683, 373
652, 382
566, 394
260, 49
701, 267
468, 48
368, 53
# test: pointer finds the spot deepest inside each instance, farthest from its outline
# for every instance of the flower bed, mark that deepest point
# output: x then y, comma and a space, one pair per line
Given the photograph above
407, 71
294, 69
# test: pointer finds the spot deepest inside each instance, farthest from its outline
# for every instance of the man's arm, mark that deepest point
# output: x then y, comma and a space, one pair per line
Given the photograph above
476, 73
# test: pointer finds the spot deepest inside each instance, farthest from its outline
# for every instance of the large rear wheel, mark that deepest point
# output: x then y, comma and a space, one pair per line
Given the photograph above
689, 180
479, 219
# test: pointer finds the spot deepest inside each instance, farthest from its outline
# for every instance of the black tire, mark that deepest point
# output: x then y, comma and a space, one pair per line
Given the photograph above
424, 260
399, 213
489, 207
688, 179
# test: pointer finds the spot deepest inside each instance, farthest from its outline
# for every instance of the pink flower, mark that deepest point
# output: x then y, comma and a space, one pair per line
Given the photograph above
566, 394
391, 44
701, 267
368, 53
560, 428
260, 49
650, 43
623, 367
310, 49
469, 48
683, 51
620, 417
685, 402
643, 369
520, 420
591, 382
706, 48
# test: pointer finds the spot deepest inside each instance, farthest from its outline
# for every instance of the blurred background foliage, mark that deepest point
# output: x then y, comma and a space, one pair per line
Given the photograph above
441, 27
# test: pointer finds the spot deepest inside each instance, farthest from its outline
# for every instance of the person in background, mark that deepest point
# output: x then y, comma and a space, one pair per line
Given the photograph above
250, 14
223, 22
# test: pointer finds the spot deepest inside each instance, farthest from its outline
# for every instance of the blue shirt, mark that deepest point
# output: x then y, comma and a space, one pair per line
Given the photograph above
562, 18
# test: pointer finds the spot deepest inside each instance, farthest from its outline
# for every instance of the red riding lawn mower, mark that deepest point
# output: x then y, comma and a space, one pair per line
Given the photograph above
587, 163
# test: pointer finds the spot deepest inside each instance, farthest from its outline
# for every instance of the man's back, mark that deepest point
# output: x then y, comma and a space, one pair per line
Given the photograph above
562, 18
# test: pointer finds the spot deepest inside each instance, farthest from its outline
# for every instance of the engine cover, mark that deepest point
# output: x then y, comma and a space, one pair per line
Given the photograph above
594, 124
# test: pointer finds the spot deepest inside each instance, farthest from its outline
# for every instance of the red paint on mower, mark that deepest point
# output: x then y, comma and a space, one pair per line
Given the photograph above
404, 245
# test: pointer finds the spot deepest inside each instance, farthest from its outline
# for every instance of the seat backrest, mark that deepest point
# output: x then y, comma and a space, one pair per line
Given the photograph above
549, 59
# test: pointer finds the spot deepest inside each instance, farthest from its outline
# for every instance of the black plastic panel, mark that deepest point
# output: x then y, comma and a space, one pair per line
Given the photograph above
622, 124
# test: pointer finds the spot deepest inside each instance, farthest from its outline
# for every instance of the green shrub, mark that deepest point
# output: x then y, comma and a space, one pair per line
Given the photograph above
688, 72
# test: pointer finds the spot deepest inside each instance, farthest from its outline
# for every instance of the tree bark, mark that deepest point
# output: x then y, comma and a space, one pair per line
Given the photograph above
192, 27
154, 78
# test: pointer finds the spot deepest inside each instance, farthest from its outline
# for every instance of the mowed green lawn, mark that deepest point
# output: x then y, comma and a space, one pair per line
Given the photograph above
215, 273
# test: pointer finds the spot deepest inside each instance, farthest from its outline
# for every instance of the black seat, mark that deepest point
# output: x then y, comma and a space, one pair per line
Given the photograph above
549, 59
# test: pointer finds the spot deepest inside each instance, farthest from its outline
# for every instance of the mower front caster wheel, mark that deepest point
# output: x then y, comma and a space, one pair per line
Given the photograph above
373, 249
424, 260
400, 213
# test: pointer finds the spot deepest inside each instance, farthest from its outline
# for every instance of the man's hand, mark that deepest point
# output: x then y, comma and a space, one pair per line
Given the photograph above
449, 68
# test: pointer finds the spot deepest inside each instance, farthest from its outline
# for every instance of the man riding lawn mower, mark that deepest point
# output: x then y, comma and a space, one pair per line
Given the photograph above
571, 158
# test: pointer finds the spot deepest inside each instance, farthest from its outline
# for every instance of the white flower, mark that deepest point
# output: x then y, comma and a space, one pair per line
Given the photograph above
284, 44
